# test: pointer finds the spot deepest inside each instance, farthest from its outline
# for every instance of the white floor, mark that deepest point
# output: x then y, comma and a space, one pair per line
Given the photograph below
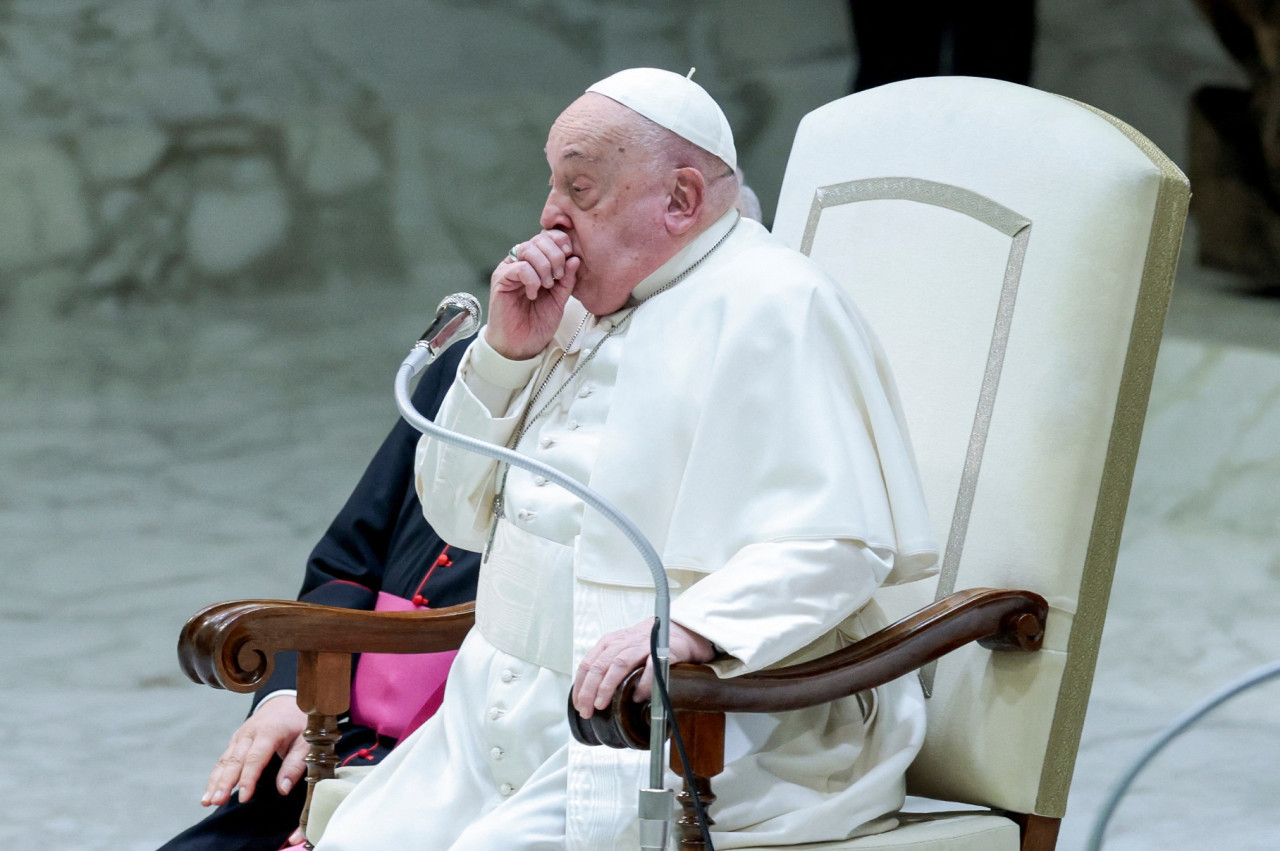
160, 459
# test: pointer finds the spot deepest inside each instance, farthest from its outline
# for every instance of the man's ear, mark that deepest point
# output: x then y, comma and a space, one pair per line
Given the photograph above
686, 200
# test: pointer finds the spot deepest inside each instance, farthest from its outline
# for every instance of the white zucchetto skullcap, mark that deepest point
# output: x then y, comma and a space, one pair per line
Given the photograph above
676, 103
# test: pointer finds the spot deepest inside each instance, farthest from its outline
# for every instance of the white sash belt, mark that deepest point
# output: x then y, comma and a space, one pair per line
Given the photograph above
524, 598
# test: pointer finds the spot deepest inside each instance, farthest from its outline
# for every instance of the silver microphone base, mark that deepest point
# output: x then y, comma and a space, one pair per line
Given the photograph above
657, 808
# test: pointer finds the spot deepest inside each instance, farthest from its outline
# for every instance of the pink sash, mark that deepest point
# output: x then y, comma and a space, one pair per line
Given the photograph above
394, 693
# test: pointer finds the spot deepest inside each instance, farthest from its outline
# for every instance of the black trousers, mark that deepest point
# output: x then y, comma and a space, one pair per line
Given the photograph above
925, 38
266, 820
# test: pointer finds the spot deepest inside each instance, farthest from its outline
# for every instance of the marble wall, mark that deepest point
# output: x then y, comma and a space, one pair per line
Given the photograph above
152, 148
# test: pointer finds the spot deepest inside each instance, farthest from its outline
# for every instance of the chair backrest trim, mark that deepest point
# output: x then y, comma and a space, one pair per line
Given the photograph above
1154, 292
1007, 222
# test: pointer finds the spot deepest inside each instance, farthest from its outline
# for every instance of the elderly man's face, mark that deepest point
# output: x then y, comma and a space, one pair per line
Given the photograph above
607, 195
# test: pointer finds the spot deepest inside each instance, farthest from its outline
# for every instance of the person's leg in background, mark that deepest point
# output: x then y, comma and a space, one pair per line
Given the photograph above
895, 41
994, 38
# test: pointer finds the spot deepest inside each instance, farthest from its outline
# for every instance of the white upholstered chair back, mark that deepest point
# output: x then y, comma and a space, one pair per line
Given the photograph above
1014, 251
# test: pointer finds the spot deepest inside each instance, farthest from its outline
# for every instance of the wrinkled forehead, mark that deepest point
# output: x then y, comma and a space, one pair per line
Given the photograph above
593, 129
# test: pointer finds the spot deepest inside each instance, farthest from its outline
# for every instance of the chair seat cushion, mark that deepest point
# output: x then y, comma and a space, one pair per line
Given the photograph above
328, 794
967, 831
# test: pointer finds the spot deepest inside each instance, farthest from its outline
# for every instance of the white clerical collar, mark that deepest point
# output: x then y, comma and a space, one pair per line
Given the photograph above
698, 248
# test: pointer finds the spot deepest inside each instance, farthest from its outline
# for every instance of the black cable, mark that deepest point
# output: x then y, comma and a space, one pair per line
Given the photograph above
660, 686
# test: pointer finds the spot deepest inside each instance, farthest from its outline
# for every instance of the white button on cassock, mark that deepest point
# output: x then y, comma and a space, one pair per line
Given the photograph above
539, 481
495, 713
508, 676
506, 789
496, 754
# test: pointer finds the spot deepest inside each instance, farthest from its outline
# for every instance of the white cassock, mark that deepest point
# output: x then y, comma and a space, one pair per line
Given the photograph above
746, 421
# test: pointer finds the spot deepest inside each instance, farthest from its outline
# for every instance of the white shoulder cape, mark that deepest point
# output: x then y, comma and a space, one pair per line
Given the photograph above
752, 405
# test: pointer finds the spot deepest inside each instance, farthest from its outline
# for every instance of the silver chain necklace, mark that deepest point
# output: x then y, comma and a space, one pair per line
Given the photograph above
527, 421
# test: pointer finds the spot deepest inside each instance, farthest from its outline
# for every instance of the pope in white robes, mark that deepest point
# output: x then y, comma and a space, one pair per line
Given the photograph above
725, 394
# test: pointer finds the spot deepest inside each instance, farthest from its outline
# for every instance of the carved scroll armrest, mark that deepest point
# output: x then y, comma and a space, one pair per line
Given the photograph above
996, 619
232, 645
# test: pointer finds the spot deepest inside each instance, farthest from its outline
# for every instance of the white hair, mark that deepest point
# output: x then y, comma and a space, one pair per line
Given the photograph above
668, 150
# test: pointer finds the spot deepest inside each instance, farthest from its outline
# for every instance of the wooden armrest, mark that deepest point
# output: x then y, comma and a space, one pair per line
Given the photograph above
996, 619
232, 645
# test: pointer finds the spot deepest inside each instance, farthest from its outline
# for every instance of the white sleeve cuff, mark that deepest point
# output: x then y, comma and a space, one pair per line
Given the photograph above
774, 598
498, 369
284, 692
493, 378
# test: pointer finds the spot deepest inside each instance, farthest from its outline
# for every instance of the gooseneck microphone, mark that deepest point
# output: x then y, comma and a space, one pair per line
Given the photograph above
458, 316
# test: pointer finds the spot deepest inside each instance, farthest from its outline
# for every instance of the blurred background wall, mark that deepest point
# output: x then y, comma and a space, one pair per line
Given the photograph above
152, 148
